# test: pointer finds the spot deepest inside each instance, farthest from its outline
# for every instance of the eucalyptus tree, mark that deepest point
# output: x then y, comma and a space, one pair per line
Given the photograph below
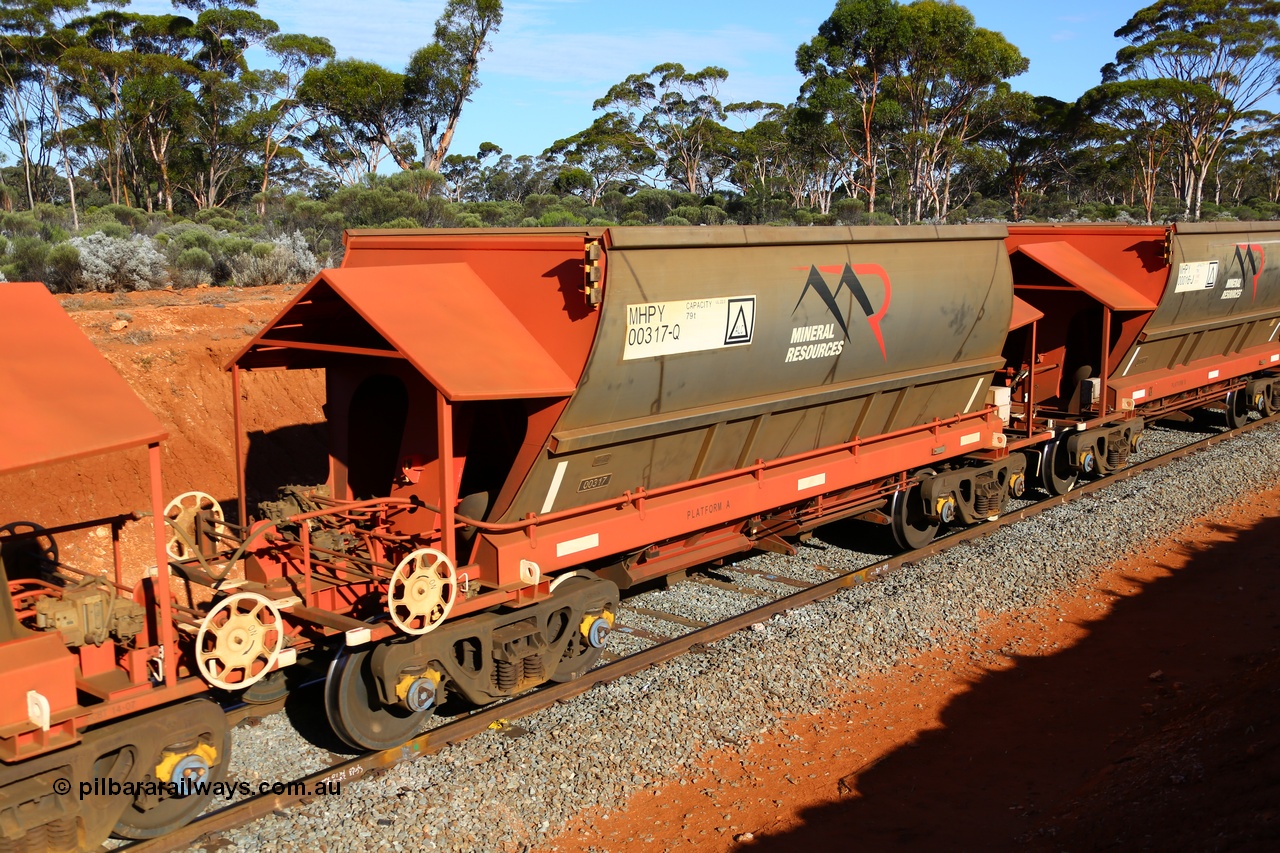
1213, 63
677, 115
443, 76
1140, 115
276, 114
846, 63
949, 69
609, 152
1031, 136
219, 38
33, 36
362, 117
462, 172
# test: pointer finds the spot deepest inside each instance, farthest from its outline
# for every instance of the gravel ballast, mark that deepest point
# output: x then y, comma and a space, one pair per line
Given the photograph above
497, 792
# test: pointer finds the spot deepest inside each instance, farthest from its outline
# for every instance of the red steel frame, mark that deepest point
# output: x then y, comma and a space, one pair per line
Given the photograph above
18, 742
562, 540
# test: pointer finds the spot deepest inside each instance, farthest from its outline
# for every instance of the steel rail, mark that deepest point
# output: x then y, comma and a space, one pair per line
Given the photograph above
438, 738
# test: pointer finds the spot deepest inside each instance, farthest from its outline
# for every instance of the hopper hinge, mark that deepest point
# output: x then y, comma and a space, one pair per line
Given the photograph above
593, 274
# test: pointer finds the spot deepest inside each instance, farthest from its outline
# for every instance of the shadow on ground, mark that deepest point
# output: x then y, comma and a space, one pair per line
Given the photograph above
1157, 731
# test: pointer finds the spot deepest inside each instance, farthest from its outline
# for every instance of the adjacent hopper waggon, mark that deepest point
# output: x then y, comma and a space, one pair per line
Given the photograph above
103, 724
1131, 324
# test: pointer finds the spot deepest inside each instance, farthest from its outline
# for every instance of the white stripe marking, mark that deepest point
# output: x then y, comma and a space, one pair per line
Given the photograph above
555, 486
1273, 332
976, 388
971, 438
1213, 374
1130, 364
1275, 358
1140, 393
582, 543
359, 636
809, 482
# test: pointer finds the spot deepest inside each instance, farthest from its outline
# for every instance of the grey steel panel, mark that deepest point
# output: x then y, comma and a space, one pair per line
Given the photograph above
618, 432
937, 299
641, 237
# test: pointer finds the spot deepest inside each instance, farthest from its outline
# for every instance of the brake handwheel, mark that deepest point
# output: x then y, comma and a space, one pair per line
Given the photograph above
183, 514
239, 641
422, 591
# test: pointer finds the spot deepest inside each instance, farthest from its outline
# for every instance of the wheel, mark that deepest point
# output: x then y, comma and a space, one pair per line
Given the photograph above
354, 710
30, 558
912, 529
422, 591
1056, 474
239, 641
579, 654
182, 515
273, 688
1237, 409
149, 815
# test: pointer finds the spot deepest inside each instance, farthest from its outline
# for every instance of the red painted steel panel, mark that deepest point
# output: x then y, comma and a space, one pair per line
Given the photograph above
1024, 314
1066, 261
61, 398
450, 325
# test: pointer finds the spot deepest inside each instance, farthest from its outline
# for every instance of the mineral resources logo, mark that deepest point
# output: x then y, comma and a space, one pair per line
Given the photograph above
820, 340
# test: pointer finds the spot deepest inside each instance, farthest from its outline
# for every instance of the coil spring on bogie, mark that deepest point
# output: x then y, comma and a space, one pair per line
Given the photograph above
504, 671
1117, 453
985, 503
533, 668
63, 835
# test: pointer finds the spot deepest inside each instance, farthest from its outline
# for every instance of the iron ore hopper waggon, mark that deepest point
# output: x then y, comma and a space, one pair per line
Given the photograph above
525, 423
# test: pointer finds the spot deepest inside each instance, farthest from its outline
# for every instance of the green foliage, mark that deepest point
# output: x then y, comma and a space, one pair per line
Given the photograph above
27, 259
850, 211
230, 247
62, 268
194, 259
688, 212
712, 215
559, 217
132, 218
112, 229
223, 223
19, 224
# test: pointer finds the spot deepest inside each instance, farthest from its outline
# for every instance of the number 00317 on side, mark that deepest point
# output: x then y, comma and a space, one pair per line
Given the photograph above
689, 325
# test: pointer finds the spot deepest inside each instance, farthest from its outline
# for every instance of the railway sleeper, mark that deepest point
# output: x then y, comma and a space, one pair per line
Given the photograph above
495, 655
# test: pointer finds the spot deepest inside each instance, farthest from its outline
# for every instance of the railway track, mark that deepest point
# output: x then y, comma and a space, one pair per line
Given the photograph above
679, 635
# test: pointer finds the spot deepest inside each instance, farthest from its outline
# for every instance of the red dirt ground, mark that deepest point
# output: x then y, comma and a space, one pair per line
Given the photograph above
1139, 713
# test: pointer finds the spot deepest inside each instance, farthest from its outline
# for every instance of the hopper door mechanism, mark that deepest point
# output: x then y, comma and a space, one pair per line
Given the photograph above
593, 274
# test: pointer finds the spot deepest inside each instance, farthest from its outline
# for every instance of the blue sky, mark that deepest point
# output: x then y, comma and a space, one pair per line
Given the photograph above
552, 58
